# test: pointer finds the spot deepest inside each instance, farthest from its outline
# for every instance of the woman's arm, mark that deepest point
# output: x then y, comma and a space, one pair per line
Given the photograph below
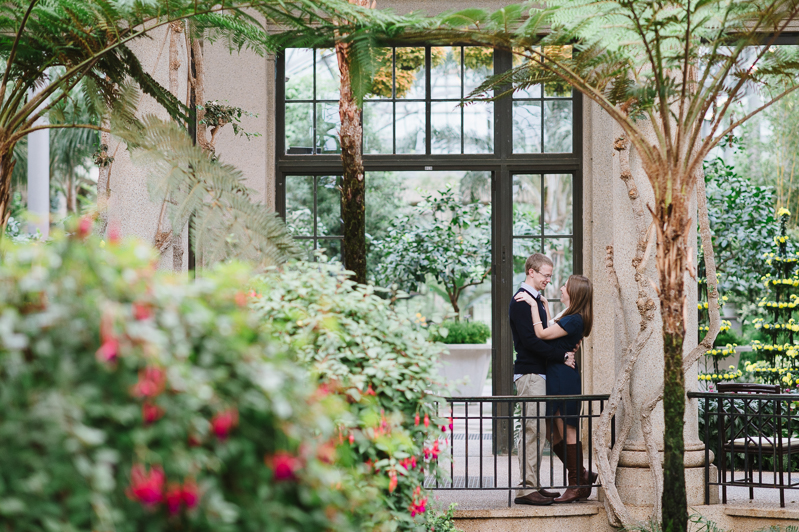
551, 332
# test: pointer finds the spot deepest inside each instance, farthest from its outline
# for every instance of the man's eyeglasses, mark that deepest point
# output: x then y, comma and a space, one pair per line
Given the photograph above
544, 276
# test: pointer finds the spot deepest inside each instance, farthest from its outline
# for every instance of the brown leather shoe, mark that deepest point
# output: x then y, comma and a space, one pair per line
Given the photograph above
534, 499
550, 494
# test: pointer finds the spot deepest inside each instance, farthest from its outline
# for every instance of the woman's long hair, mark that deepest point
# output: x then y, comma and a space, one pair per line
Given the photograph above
581, 300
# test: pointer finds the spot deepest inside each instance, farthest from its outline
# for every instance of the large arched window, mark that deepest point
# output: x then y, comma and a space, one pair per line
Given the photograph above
519, 158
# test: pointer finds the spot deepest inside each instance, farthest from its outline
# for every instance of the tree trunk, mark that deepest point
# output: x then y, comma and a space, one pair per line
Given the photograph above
7, 163
353, 187
672, 224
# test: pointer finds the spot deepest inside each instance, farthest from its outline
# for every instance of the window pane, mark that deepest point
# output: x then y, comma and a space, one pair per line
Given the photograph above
328, 206
327, 126
306, 248
332, 248
478, 64
478, 128
558, 126
410, 72
378, 122
445, 72
558, 211
328, 82
299, 127
526, 205
560, 251
410, 127
383, 80
299, 205
522, 248
445, 120
526, 127
533, 91
404, 234
299, 74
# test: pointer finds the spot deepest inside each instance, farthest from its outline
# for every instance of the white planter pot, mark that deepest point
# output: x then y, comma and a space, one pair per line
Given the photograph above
466, 361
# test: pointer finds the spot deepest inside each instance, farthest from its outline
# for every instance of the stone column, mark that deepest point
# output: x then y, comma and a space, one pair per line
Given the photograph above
39, 180
608, 221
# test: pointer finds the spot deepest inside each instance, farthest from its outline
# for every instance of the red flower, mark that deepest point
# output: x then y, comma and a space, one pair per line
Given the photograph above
190, 493
419, 504
223, 422
426, 420
151, 413
152, 381
109, 351
450, 423
241, 299
147, 488
142, 311
113, 232
284, 465
85, 226
392, 482
352, 438
173, 497
416, 420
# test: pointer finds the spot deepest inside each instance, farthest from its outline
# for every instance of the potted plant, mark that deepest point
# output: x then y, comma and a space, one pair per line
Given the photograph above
469, 355
449, 240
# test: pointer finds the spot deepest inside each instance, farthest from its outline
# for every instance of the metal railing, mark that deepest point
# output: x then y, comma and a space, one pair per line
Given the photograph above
755, 439
483, 439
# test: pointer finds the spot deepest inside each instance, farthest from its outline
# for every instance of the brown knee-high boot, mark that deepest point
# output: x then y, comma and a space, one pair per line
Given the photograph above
560, 451
574, 462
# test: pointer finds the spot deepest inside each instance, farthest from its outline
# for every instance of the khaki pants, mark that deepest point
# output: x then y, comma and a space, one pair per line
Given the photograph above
530, 447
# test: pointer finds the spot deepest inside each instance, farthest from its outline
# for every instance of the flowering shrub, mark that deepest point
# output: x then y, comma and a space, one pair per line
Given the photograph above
380, 361
133, 400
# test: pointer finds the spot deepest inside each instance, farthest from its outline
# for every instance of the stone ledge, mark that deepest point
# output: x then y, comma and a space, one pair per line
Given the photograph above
766, 513
553, 510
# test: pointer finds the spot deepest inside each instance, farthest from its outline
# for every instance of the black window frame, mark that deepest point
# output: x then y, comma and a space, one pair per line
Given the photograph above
502, 164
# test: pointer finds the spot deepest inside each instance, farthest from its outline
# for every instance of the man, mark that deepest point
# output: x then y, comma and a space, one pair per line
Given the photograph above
530, 376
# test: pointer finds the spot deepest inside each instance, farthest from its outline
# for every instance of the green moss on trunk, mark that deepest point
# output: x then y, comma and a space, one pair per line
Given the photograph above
675, 504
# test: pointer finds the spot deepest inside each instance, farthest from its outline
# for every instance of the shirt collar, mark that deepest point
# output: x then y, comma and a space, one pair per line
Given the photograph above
530, 289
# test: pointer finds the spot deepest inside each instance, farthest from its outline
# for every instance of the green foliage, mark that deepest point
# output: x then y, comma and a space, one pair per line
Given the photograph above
227, 223
440, 237
218, 115
137, 400
360, 347
462, 332
442, 522
742, 222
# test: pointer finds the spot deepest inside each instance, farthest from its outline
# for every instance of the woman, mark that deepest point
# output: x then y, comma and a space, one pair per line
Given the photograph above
567, 331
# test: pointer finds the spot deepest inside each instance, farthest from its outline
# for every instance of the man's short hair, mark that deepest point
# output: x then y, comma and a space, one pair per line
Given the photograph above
535, 261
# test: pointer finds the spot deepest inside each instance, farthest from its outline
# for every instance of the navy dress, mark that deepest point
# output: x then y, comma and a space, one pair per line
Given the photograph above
561, 379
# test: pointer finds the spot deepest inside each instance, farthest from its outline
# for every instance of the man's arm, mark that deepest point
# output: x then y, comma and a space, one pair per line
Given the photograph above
521, 317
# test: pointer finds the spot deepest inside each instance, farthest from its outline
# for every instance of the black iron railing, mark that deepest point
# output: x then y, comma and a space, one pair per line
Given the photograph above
482, 435
755, 438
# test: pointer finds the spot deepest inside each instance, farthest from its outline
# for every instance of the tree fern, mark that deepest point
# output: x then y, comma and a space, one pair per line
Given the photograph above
226, 222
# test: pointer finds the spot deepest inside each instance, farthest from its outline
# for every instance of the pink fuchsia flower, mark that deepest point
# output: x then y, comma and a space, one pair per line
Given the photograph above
241, 299
114, 235
416, 420
146, 487
85, 226
152, 381
223, 422
109, 350
392, 481
190, 493
419, 503
173, 497
426, 420
142, 311
151, 413
450, 423
284, 465
352, 438
370, 390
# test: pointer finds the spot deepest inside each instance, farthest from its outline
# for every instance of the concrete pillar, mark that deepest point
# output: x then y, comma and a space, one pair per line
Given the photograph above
39, 180
608, 220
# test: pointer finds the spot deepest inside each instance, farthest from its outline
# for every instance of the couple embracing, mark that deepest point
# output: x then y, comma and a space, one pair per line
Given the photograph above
545, 365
